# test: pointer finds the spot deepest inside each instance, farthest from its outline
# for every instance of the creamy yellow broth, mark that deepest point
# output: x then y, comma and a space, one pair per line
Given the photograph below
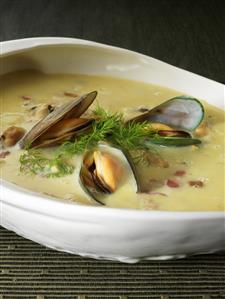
204, 163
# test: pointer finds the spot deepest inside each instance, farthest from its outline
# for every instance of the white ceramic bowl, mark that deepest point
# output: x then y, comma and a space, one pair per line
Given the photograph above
98, 232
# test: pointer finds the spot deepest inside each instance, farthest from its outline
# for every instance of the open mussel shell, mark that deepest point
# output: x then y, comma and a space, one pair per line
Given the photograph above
62, 131
174, 133
182, 112
104, 170
170, 137
61, 124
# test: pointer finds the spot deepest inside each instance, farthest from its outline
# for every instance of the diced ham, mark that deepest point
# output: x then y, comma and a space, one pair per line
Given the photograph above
180, 173
27, 98
70, 94
172, 184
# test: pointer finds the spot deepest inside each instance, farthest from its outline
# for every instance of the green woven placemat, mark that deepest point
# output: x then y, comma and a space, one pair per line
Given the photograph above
29, 270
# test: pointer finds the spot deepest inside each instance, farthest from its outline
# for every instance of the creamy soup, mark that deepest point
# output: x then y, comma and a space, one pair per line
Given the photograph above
188, 178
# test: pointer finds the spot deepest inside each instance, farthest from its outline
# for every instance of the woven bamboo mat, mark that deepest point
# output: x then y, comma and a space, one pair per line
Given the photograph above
28, 270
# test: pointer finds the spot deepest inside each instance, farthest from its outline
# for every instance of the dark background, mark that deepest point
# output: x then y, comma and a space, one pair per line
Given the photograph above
188, 34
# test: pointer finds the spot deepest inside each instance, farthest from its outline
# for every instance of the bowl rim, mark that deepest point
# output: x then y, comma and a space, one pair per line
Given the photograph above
64, 207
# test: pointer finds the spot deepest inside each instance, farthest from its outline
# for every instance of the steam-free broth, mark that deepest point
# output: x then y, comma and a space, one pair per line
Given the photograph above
189, 178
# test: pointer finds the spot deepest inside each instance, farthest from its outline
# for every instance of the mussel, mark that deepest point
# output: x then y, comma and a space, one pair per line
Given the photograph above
173, 138
182, 112
104, 169
61, 124
174, 120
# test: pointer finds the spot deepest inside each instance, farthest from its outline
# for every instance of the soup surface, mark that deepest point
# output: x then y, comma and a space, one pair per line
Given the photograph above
189, 178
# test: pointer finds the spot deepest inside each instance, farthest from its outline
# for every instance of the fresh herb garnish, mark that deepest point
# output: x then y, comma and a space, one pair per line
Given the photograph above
35, 162
102, 128
134, 137
131, 135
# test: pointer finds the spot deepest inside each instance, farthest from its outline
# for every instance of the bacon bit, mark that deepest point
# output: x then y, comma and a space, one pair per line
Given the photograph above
196, 184
27, 98
180, 173
172, 184
157, 193
70, 94
4, 154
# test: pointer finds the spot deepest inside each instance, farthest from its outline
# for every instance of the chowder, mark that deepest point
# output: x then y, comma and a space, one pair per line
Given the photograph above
108, 141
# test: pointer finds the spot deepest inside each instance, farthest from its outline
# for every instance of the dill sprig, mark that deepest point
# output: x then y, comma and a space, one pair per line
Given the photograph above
105, 127
101, 113
102, 128
130, 136
35, 162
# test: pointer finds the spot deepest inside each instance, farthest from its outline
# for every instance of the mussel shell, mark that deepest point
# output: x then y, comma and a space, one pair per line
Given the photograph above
100, 184
72, 109
65, 126
183, 112
174, 133
62, 131
88, 185
93, 185
133, 167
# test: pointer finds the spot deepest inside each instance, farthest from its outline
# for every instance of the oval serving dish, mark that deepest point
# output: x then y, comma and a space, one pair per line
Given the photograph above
99, 232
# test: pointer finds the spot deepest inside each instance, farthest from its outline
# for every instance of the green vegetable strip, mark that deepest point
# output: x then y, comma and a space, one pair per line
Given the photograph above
173, 141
